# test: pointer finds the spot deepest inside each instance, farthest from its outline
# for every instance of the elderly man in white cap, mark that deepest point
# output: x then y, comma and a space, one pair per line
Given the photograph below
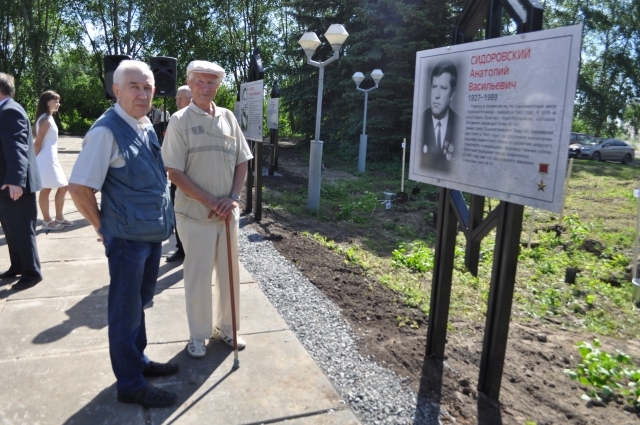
206, 156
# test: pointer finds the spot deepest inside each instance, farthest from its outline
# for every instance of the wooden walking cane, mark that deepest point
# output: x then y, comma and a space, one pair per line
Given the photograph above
236, 361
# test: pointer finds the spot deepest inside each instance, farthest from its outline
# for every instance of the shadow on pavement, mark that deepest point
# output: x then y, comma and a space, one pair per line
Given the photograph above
89, 312
5, 284
168, 279
191, 378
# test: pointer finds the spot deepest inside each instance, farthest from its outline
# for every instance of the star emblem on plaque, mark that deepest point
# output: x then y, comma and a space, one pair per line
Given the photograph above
543, 169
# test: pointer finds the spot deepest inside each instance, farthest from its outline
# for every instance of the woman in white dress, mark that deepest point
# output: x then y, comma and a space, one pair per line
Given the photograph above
51, 174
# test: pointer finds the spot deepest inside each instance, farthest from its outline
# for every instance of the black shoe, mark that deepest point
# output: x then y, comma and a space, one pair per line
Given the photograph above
176, 256
10, 273
26, 283
160, 369
149, 396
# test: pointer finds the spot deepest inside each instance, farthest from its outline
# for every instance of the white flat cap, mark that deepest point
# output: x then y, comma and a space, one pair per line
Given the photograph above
206, 68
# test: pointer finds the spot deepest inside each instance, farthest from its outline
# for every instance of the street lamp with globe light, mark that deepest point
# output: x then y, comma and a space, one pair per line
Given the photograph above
358, 77
336, 36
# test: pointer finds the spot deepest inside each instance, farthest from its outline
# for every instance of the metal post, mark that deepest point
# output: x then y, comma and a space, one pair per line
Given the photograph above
533, 218
472, 253
364, 120
635, 282
248, 202
272, 150
634, 273
362, 153
315, 175
273, 141
503, 278
256, 72
275, 149
315, 156
566, 189
442, 277
319, 102
257, 169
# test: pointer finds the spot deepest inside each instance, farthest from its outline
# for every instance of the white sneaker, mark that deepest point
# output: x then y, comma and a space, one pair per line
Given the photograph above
196, 348
218, 334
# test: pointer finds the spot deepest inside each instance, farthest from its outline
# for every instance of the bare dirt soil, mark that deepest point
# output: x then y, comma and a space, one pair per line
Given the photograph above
534, 387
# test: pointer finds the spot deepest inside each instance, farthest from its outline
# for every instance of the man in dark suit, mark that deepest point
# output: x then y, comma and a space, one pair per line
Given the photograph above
438, 143
20, 181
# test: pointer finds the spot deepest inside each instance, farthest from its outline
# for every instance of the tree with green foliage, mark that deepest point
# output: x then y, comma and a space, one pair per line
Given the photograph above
31, 33
382, 34
218, 30
52, 44
610, 70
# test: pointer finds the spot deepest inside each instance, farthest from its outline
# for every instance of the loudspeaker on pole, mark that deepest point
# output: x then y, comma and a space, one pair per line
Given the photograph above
164, 71
111, 62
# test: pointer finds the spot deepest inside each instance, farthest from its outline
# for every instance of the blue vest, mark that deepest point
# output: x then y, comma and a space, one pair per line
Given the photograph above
135, 198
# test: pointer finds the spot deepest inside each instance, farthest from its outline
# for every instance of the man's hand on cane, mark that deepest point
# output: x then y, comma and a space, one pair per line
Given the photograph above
223, 207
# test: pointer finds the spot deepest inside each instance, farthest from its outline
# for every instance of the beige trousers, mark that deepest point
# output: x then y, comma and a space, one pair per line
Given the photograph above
206, 264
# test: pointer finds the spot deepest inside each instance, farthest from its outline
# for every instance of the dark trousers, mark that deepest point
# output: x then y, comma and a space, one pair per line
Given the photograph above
18, 220
172, 192
133, 269
159, 129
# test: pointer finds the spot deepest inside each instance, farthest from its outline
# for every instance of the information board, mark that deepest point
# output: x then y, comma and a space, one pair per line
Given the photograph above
251, 109
493, 117
272, 113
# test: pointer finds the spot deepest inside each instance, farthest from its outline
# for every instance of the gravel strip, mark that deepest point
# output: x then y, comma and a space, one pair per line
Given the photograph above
375, 394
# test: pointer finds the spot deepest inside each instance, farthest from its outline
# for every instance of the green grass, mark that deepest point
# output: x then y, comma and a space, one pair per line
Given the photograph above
397, 248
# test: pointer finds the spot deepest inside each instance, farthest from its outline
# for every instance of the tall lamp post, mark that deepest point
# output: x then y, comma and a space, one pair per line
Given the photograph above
358, 77
336, 36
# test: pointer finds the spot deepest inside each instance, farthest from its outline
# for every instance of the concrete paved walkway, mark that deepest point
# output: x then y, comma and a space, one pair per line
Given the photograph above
54, 358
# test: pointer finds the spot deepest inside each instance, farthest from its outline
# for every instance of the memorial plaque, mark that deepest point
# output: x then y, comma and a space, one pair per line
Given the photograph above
493, 117
272, 113
250, 109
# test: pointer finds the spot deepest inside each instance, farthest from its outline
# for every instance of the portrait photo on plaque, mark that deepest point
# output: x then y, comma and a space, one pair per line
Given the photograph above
440, 121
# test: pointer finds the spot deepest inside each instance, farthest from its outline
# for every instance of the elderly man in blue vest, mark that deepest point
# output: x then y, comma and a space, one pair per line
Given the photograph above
121, 158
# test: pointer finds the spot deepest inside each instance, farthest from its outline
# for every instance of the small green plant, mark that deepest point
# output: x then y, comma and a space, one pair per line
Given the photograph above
578, 231
327, 243
416, 256
359, 210
604, 374
406, 321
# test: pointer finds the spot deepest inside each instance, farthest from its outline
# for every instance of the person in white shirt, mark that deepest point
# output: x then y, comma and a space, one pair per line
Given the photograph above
206, 156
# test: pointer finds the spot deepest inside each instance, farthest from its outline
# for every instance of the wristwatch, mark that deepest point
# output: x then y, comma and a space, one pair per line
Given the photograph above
234, 197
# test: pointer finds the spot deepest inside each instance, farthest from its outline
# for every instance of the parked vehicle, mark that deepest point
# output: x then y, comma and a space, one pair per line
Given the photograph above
605, 150
576, 141
579, 138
